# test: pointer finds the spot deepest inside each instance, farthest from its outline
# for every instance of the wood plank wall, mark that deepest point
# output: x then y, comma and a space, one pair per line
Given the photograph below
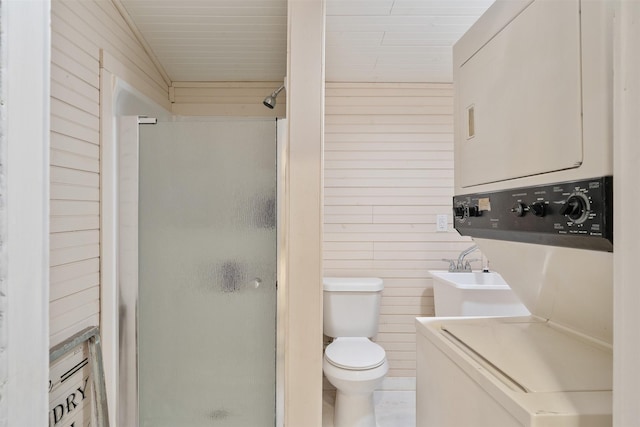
388, 173
236, 99
80, 29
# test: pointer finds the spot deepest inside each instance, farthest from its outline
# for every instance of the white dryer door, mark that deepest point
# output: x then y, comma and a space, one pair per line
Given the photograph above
519, 98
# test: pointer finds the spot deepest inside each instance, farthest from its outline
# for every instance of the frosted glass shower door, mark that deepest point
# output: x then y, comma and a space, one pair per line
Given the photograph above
207, 274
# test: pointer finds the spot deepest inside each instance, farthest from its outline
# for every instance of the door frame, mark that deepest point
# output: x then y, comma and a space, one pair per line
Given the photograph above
25, 50
119, 98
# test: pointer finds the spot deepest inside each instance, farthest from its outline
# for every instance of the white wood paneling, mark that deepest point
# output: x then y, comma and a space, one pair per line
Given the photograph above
245, 40
80, 31
215, 40
226, 99
388, 173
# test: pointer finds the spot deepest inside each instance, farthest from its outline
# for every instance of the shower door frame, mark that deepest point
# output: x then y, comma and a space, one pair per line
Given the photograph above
127, 142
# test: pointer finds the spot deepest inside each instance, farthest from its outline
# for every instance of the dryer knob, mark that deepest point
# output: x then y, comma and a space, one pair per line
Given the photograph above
575, 208
458, 211
474, 211
538, 208
518, 209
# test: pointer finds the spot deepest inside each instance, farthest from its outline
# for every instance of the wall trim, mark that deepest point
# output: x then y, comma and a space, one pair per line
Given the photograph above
26, 63
302, 275
626, 153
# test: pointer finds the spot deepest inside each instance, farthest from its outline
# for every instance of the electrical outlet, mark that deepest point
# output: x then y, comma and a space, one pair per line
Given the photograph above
442, 222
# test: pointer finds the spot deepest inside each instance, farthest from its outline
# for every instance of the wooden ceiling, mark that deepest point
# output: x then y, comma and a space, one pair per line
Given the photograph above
246, 40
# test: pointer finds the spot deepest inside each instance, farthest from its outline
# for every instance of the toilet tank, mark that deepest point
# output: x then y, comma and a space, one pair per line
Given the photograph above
351, 306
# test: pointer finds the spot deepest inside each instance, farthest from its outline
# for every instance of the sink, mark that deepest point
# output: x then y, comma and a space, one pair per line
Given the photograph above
473, 280
474, 294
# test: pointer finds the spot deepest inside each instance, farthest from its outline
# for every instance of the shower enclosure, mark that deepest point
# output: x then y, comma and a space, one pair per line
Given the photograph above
197, 288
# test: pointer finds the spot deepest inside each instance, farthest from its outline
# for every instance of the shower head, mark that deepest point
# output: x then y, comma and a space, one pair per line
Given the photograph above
270, 101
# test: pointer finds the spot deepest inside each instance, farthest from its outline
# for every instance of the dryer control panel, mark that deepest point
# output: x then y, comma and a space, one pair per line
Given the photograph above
576, 214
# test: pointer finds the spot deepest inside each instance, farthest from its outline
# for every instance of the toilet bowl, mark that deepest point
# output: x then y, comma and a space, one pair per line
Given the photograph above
355, 367
352, 363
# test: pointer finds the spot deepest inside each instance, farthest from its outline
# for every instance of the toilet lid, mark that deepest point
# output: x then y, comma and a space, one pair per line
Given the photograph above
354, 353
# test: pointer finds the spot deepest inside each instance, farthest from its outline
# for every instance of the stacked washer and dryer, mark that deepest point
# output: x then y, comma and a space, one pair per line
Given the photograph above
533, 188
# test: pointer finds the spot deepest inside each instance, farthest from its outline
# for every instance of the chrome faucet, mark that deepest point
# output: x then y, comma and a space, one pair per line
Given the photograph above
461, 265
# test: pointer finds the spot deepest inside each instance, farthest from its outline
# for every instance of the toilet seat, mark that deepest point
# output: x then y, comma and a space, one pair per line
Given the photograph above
355, 353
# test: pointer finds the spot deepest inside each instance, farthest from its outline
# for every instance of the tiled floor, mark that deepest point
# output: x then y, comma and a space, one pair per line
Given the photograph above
393, 408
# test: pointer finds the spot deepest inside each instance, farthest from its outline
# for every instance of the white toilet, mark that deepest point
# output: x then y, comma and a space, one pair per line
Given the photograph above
352, 363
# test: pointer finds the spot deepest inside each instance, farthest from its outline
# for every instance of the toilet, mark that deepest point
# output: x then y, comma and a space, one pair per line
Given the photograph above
352, 363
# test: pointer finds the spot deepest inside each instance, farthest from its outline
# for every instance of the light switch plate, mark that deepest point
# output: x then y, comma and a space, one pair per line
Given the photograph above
442, 222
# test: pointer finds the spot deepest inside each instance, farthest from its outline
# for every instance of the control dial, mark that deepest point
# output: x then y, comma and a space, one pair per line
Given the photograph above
462, 211
576, 208
538, 208
459, 212
474, 211
519, 209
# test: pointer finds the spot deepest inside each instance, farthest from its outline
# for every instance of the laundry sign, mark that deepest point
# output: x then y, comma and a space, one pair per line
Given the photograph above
76, 383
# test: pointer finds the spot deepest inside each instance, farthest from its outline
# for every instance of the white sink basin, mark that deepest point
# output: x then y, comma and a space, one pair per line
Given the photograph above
474, 294
472, 280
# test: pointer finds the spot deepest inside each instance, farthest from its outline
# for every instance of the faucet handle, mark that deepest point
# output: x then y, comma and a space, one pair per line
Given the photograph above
467, 264
452, 264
